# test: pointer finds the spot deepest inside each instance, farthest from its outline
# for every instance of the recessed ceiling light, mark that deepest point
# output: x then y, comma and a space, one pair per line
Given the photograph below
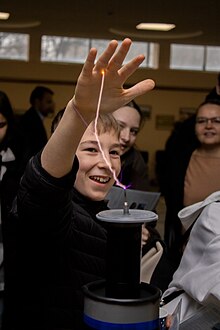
4, 15
19, 24
155, 35
155, 26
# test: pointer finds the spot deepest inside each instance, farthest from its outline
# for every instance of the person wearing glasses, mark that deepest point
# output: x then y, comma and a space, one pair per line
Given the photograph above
192, 172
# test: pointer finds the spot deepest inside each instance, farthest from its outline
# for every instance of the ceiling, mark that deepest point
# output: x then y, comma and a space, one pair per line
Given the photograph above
197, 22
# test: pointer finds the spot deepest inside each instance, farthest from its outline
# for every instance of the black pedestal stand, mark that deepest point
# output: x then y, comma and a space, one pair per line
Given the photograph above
122, 302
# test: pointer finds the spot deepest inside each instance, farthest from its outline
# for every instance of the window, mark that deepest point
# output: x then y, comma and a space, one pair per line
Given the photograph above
14, 46
193, 57
64, 49
74, 50
150, 50
186, 57
212, 58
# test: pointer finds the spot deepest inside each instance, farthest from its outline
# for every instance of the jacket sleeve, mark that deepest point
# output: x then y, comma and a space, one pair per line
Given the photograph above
44, 201
198, 272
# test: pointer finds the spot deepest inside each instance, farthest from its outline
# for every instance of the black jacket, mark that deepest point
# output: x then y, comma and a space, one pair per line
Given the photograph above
60, 247
179, 149
32, 127
134, 171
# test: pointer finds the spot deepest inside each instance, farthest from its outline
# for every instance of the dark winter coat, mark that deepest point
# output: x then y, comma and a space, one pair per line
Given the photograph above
60, 247
134, 171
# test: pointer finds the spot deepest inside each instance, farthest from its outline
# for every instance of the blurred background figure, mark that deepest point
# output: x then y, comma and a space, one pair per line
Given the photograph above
31, 123
56, 120
182, 138
215, 92
191, 169
134, 172
14, 155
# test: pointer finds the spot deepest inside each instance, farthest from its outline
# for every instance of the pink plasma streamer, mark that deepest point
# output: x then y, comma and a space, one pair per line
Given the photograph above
96, 133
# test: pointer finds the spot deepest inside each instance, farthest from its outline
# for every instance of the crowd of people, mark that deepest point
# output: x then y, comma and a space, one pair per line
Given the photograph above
59, 246
52, 188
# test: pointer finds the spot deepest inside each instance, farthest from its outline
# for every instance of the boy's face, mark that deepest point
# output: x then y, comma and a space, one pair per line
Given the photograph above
94, 177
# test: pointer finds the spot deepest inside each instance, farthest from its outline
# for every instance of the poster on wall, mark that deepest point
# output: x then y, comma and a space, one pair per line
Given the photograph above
165, 122
186, 112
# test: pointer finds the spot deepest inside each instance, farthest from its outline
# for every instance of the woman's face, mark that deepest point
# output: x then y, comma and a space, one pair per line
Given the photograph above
129, 119
94, 177
208, 124
3, 127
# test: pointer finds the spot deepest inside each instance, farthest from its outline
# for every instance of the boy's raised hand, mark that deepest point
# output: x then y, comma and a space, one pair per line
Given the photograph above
114, 95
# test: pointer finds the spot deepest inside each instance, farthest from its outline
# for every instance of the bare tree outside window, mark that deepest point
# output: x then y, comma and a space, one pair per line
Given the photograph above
75, 50
64, 49
14, 46
59, 49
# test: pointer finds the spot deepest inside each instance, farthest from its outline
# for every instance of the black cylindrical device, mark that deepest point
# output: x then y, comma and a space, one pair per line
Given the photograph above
121, 301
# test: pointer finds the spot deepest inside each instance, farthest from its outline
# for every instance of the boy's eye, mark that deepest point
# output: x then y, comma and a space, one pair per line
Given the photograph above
115, 152
91, 150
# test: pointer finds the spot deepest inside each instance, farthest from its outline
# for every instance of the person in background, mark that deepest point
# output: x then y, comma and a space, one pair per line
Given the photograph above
13, 158
134, 174
215, 92
56, 120
31, 122
192, 173
183, 136
61, 245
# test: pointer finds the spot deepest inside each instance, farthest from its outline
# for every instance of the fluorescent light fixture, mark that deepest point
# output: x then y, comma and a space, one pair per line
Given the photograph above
155, 26
4, 15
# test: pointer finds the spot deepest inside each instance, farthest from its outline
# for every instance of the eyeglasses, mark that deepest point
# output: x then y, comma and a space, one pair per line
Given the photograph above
3, 124
205, 121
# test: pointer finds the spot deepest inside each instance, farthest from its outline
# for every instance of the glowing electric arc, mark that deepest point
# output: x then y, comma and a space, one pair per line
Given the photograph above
118, 183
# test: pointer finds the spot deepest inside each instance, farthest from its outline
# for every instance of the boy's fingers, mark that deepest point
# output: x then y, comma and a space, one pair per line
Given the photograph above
117, 60
103, 60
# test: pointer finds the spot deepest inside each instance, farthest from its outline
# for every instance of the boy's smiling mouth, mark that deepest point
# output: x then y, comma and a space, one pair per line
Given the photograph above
100, 179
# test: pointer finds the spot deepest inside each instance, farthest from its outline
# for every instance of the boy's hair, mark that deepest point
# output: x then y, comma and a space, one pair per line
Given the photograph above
105, 123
